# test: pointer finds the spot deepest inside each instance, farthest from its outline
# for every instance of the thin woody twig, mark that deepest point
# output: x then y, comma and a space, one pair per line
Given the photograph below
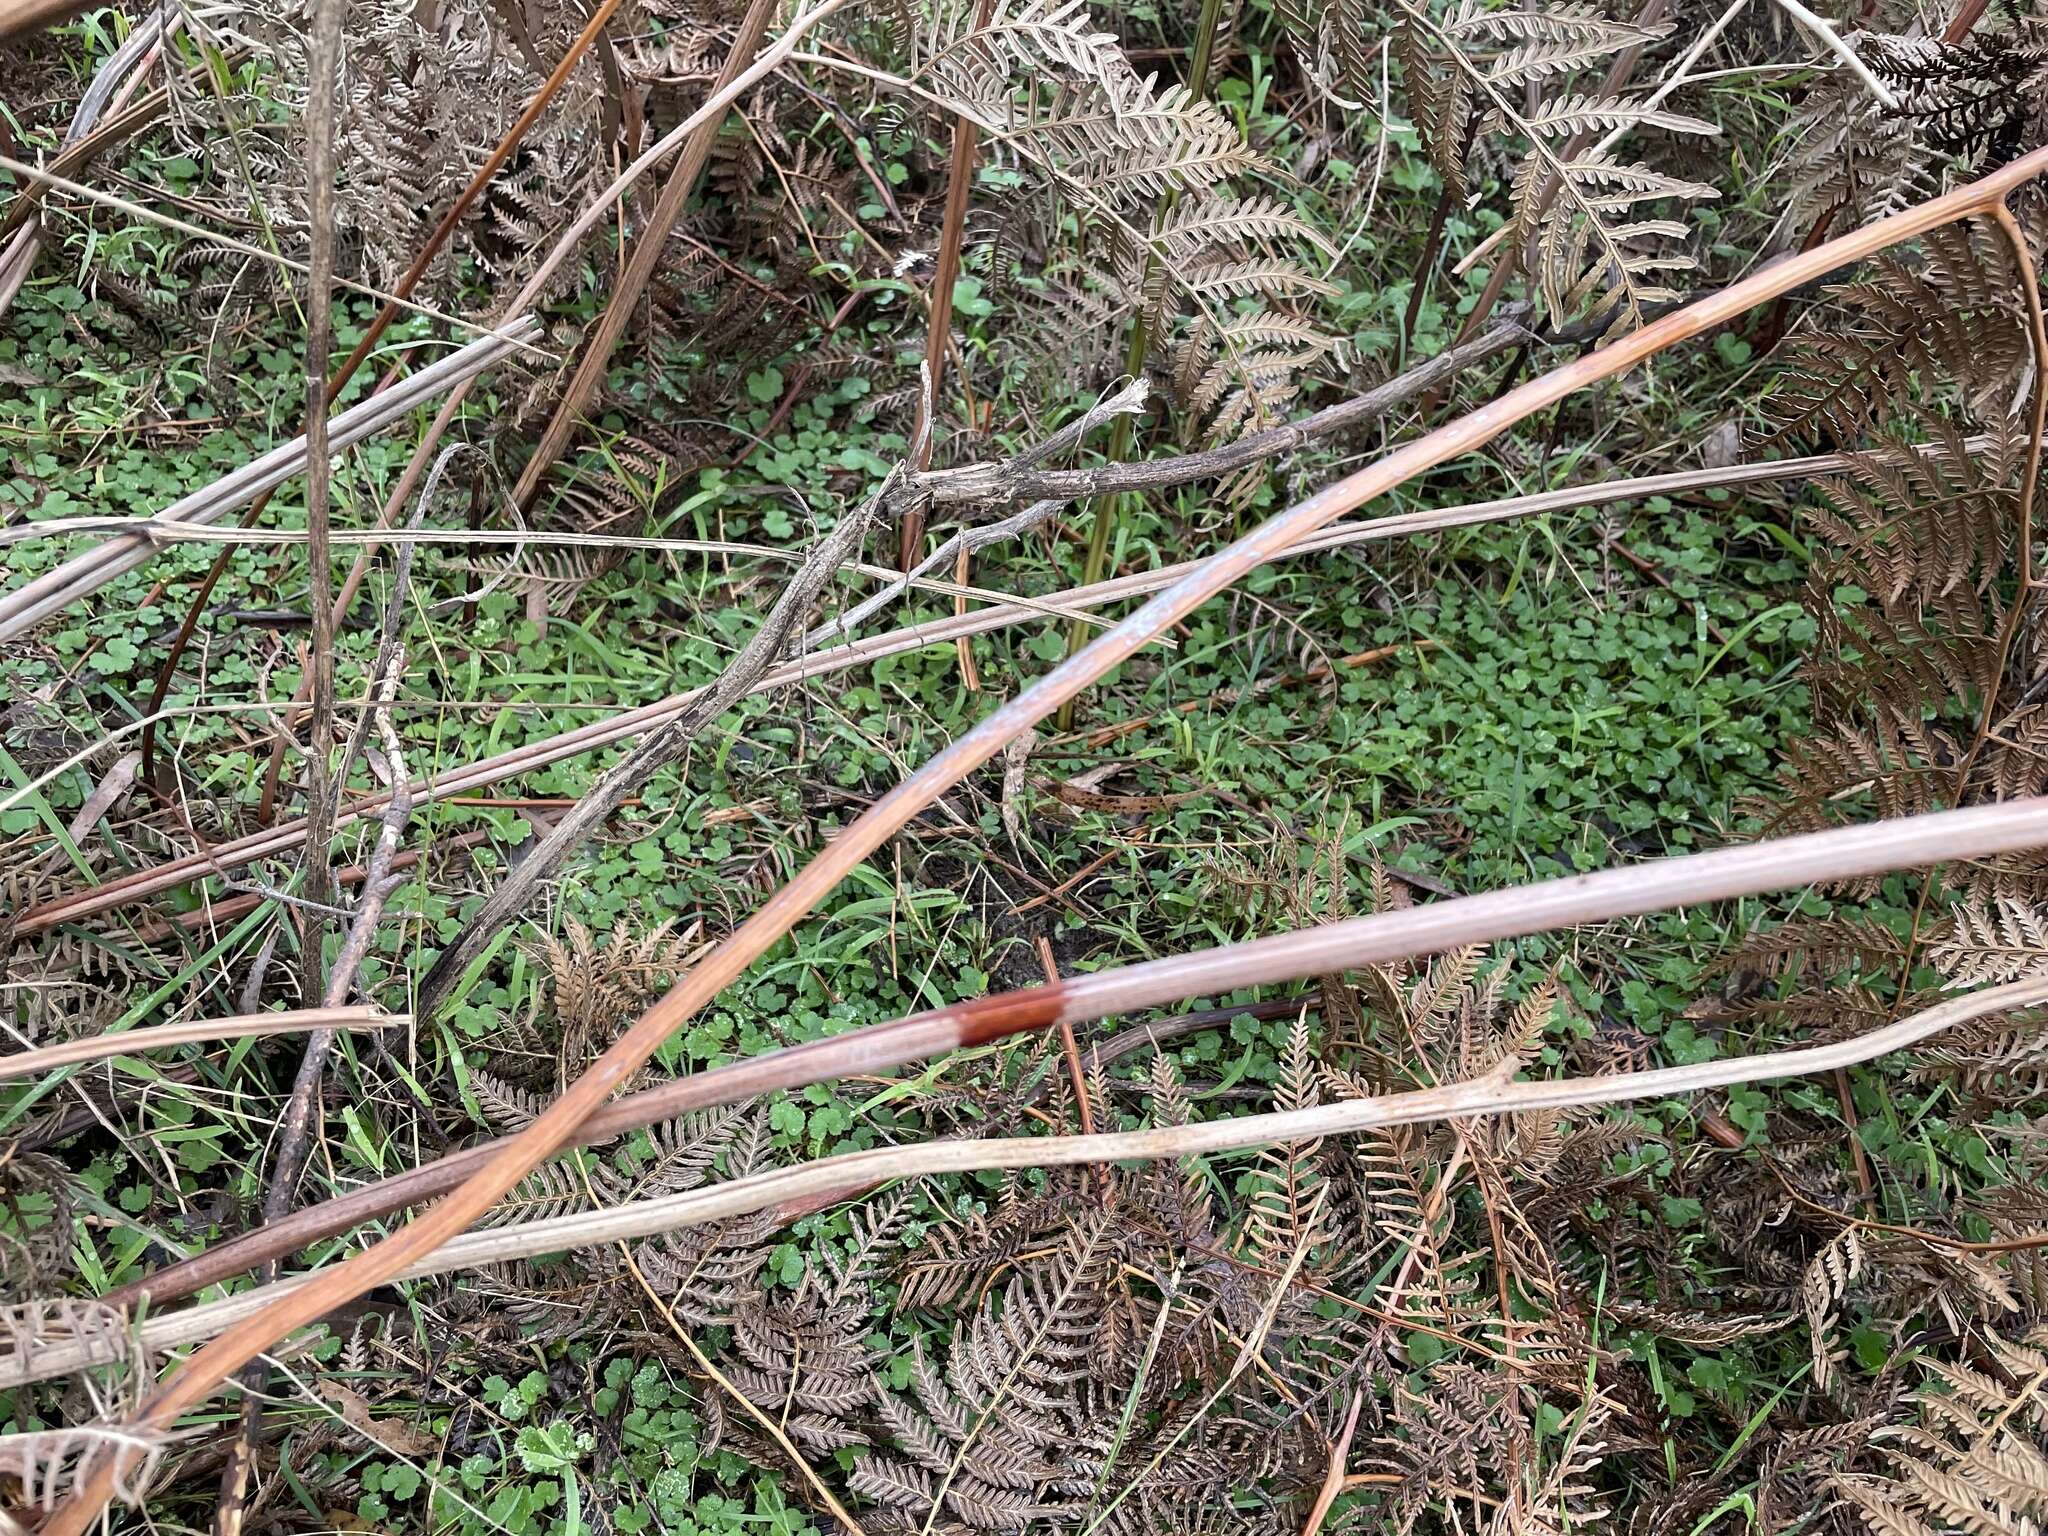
640, 265
1131, 397
443, 231
654, 752
989, 482
294, 1149
1049, 490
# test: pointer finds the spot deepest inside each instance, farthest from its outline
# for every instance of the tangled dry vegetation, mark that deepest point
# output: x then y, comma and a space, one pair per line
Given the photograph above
1203, 1092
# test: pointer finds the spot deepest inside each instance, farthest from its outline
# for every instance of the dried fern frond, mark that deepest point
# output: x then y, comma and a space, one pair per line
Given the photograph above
1152, 166
1955, 318
1581, 219
1990, 943
1983, 99
1827, 1281
36, 1203
48, 1462
1977, 1460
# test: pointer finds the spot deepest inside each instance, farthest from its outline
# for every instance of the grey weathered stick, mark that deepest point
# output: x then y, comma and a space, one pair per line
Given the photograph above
1129, 399
992, 482
294, 1148
1049, 490
655, 751
130, 1042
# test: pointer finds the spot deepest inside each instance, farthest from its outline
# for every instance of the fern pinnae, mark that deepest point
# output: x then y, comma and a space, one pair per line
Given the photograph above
1987, 944
1578, 113
1568, 21
1078, 1263
1566, 208
1194, 224
1253, 278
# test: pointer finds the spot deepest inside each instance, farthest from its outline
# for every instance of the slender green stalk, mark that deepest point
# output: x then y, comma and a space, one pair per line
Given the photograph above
1104, 513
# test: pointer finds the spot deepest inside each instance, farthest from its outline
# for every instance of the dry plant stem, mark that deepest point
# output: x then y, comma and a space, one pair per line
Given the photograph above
1490, 1094
1785, 864
436, 241
952, 232
647, 252
246, 1026
294, 1129
228, 856
959, 188
1823, 32
294, 1145
294, 1141
1967, 16
1333, 1480
323, 86
226, 1260
84, 574
1069, 1047
655, 752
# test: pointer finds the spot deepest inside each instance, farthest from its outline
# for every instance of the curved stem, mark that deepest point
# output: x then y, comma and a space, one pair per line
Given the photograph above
559, 1123
1491, 1094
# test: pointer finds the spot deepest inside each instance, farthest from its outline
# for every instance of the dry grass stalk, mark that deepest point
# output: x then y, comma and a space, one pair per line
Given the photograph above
246, 1026
1494, 1093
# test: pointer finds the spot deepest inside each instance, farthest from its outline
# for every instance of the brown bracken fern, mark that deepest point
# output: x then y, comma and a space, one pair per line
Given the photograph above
1583, 220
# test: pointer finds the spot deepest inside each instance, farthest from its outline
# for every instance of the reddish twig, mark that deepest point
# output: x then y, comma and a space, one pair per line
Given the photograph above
443, 232
640, 265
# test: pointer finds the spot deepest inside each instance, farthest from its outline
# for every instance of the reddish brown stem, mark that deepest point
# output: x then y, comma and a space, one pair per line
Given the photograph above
566, 1117
959, 186
639, 269
443, 232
